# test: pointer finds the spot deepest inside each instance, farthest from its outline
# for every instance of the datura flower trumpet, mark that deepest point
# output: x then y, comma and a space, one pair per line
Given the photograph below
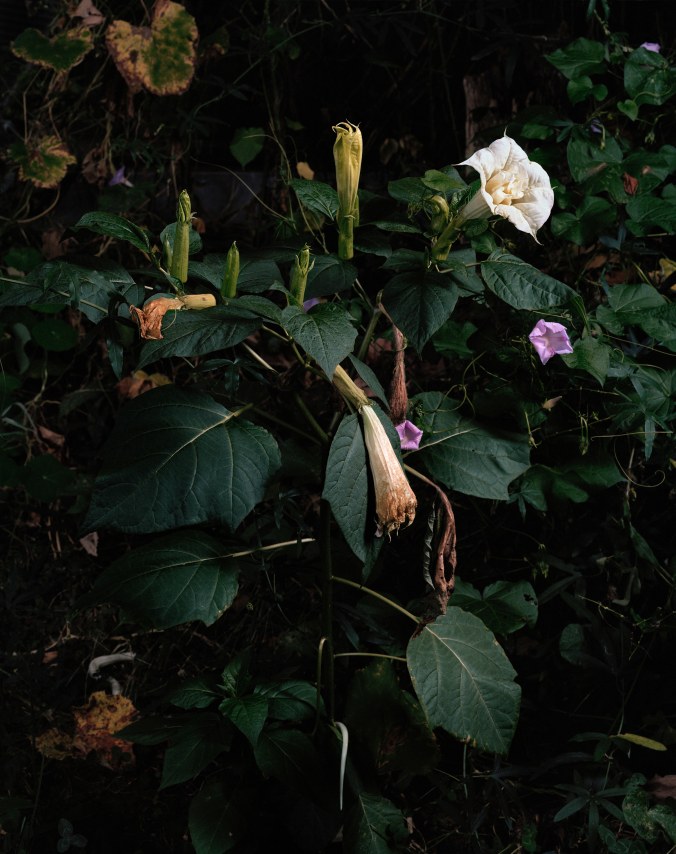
149, 318
347, 152
395, 500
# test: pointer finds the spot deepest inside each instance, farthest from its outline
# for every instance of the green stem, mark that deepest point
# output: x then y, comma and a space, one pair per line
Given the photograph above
346, 238
444, 242
311, 420
369, 655
327, 606
370, 329
377, 596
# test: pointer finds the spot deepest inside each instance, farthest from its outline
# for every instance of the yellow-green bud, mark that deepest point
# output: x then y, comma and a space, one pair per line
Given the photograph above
231, 273
438, 211
299, 274
347, 154
181, 251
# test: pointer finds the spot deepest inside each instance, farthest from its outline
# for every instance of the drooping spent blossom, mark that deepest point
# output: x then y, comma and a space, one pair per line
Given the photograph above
550, 339
410, 435
655, 47
512, 186
149, 318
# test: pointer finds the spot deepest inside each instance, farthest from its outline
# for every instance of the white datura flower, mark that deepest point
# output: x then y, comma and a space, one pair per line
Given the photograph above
395, 500
512, 186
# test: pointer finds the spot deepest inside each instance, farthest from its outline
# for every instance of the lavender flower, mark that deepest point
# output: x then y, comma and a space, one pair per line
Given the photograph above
652, 46
410, 435
549, 339
120, 178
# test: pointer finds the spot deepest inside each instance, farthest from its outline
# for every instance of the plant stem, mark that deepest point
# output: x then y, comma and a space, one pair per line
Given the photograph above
368, 335
377, 596
311, 420
327, 607
369, 655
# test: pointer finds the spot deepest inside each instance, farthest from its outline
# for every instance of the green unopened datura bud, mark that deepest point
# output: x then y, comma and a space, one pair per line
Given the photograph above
299, 274
438, 211
181, 250
347, 154
231, 273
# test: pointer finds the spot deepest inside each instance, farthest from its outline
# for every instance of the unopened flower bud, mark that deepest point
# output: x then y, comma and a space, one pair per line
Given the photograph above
347, 154
181, 249
231, 273
299, 273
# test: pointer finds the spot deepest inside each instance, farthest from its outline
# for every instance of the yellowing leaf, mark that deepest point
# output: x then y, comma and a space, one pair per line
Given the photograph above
642, 741
59, 53
95, 728
43, 162
159, 58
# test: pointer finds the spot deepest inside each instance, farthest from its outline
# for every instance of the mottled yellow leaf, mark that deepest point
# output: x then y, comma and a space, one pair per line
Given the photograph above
44, 161
159, 58
59, 53
642, 741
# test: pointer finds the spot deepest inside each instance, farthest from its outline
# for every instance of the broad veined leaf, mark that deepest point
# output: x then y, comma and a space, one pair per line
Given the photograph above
112, 225
472, 458
194, 746
177, 458
464, 680
328, 276
247, 144
291, 757
255, 274
520, 285
159, 58
587, 159
419, 303
325, 333
591, 355
504, 606
217, 819
62, 283
580, 57
59, 53
293, 700
44, 162
247, 713
181, 577
194, 333
196, 693
648, 77
316, 196
373, 825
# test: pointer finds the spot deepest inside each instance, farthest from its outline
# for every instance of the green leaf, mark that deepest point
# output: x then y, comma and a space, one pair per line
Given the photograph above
60, 53
168, 235
176, 579
581, 56
629, 108
470, 458
255, 275
520, 285
217, 820
444, 181
329, 276
112, 225
289, 756
590, 355
155, 730
196, 693
465, 681
419, 303
594, 217
378, 713
370, 379
504, 606
648, 77
325, 333
412, 191
54, 334
176, 458
46, 479
346, 485
587, 158
316, 196
194, 746
194, 333
373, 825
452, 339
246, 145
248, 714
647, 212
463, 270
293, 700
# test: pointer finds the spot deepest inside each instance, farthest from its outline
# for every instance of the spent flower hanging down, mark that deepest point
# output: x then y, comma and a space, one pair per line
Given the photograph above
550, 339
347, 152
395, 500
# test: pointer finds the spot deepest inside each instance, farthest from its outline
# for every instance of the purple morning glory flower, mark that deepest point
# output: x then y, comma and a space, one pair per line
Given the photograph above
549, 339
310, 303
409, 435
120, 178
595, 126
653, 46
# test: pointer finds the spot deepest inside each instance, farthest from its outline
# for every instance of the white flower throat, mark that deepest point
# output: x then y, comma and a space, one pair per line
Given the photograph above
506, 187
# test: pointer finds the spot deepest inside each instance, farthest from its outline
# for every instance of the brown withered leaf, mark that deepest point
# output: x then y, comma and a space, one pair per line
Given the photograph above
95, 726
94, 166
149, 318
91, 16
140, 382
159, 58
663, 787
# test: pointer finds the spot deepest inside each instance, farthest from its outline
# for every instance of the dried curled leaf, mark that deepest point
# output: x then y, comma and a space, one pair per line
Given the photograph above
44, 162
95, 726
159, 58
59, 53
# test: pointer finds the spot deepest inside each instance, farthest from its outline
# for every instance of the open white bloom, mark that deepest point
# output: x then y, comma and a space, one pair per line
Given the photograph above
395, 500
512, 186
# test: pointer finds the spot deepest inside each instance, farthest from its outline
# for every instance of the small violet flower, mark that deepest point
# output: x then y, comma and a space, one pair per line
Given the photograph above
410, 435
549, 339
652, 46
120, 178
311, 303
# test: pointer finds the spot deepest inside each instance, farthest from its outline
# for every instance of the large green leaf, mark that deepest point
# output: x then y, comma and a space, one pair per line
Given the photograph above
178, 578
176, 458
520, 285
419, 303
587, 159
649, 212
594, 216
255, 274
194, 333
292, 700
291, 757
248, 714
465, 681
217, 820
328, 276
62, 283
346, 484
466, 456
648, 77
112, 225
580, 57
592, 356
504, 606
373, 825
194, 746
325, 333
316, 196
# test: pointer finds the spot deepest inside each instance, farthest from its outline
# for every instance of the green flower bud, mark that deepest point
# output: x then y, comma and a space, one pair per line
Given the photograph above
231, 273
299, 274
347, 154
180, 254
